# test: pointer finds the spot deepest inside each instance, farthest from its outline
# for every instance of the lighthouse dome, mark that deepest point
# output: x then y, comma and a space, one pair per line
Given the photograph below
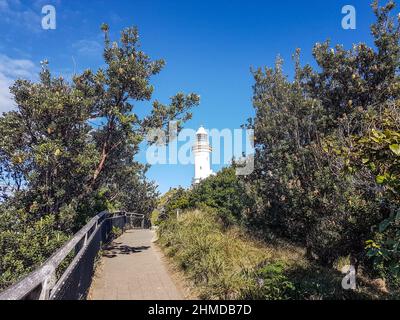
201, 131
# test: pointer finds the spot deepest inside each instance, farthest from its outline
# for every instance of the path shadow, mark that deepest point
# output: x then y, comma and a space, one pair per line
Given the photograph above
117, 248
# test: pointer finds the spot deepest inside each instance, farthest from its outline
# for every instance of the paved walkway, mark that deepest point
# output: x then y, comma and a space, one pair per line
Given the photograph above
133, 269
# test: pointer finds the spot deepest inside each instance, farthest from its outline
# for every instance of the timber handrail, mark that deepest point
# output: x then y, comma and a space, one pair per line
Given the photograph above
39, 283
137, 216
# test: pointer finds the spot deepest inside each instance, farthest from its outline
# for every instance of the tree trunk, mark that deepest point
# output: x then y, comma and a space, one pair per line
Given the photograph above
104, 155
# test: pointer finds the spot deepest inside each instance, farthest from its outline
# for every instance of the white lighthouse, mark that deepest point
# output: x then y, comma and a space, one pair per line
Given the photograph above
201, 152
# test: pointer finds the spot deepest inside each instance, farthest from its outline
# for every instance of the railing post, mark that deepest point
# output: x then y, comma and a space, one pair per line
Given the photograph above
48, 283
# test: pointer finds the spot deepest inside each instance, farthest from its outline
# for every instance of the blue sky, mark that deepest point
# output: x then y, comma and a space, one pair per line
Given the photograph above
209, 47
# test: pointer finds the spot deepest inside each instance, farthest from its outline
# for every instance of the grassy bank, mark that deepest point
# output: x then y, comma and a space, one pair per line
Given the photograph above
226, 264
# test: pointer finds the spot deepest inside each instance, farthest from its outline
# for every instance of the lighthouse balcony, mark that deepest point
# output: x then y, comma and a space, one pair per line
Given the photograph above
202, 148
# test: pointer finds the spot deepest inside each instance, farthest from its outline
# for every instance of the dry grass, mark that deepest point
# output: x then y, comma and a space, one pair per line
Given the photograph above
229, 264
222, 264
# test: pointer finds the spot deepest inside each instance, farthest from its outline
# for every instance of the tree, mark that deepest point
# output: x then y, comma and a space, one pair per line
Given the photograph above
225, 193
67, 150
65, 141
302, 130
144, 198
46, 152
113, 90
378, 151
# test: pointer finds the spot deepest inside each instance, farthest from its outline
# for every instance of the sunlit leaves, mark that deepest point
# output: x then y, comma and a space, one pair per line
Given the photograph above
395, 149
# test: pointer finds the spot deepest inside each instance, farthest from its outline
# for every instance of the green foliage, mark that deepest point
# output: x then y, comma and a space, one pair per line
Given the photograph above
377, 151
223, 263
223, 192
176, 199
270, 283
154, 217
135, 193
306, 186
26, 244
115, 233
67, 150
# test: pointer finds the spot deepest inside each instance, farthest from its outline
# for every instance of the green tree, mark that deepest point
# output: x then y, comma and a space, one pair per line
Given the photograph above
378, 151
143, 200
67, 150
302, 129
112, 91
176, 199
45, 153
225, 193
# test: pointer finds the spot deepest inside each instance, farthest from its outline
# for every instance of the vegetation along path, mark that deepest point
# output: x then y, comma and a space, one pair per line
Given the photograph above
132, 268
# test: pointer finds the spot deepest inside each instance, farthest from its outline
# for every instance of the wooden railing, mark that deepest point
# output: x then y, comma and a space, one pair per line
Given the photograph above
79, 255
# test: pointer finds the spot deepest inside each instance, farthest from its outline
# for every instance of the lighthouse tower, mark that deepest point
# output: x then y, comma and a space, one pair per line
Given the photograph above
201, 152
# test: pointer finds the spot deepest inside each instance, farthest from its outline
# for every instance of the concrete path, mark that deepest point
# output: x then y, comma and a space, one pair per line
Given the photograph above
132, 268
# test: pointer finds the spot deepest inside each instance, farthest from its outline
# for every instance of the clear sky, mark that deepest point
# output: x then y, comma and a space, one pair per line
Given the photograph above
209, 47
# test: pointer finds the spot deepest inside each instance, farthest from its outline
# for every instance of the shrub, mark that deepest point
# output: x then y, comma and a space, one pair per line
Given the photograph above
269, 282
224, 193
115, 233
24, 249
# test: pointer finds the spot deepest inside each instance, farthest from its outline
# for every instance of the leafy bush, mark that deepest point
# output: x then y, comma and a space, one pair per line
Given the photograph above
378, 151
115, 233
223, 192
26, 247
269, 283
